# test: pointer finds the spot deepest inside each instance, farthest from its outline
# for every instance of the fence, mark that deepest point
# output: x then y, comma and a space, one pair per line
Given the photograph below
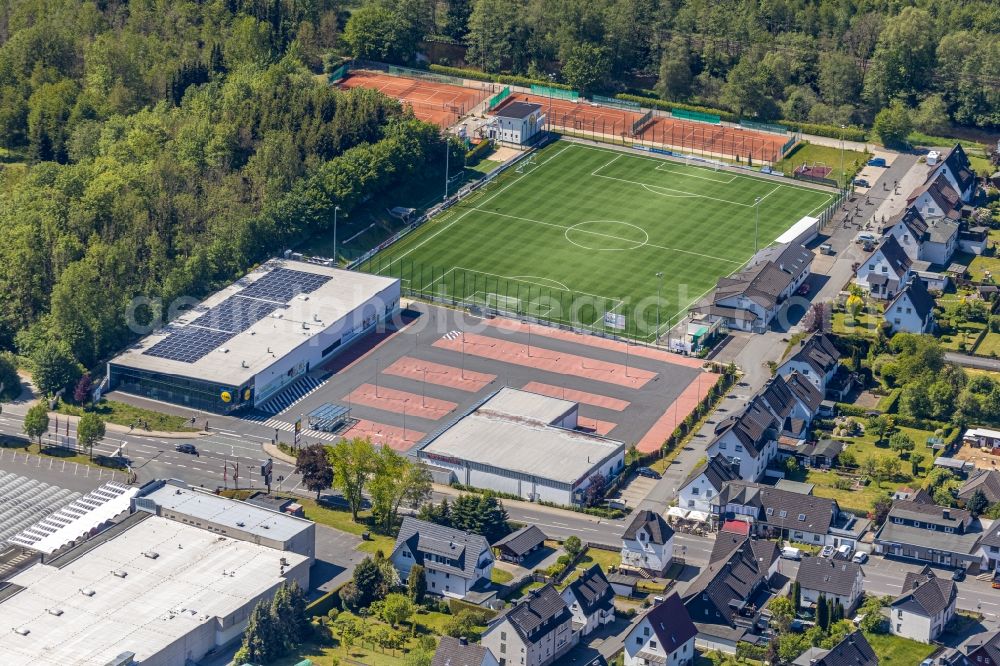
497, 99
624, 104
764, 127
827, 215
785, 149
418, 74
555, 93
340, 73
641, 123
698, 116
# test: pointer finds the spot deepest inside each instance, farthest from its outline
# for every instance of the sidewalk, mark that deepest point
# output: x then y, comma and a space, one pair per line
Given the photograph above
125, 430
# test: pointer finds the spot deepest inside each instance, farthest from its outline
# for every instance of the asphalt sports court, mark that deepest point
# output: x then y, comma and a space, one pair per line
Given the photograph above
722, 140
437, 103
578, 234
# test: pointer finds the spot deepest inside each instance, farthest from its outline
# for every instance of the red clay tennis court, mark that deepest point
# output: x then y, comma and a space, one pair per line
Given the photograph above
663, 131
438, 103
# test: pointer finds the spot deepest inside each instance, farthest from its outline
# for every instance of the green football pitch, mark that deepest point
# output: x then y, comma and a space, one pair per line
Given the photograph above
580, 234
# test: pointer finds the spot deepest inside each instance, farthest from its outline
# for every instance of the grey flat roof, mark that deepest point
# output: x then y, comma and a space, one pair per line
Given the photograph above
517, 110
270, 338
197, 577
522, 445
936, 539
524, 404
224, 511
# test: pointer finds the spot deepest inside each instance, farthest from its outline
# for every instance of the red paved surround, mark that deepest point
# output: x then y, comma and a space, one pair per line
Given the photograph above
548, 360
668, 422
396, 401
438, 374
582, 397
594, 341
596, 425
384, 435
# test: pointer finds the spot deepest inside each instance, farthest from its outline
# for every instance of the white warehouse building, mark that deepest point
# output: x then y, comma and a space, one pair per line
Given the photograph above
247, 342
524, 444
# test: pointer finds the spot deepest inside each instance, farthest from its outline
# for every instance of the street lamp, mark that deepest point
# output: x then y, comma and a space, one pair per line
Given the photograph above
756, 226
843, 173
447, 168
336, 209
659, 288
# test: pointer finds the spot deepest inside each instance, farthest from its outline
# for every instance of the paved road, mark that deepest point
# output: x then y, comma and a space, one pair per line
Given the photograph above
973, 361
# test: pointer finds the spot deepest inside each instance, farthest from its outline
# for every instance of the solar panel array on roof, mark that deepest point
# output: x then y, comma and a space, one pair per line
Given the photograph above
283, 284
236, 314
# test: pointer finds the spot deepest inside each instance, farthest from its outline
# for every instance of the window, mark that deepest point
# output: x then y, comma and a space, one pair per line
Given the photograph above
708, 493
722, 445
896, 321
885, 269
690, 504
802, 517
694, 491
871, 267
783, 514
503, 648
916, 523
638, 640
739, 449
815, 537
645, 631
503, 635
909, 310
652, 644
769, 511
899, 628
899, 614
949, 530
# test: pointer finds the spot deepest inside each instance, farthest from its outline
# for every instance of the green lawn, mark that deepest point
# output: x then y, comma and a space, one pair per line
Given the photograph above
125, 414
341, 520
501, 575
584, 231
606, 559
866, 324
896, 651
989, 345
982, 263
809, 153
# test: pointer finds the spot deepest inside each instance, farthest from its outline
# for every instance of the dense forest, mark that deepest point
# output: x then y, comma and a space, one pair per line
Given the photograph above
155, 149
820, 61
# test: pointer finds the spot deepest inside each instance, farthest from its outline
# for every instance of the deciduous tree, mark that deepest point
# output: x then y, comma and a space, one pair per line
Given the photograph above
354, 463
36, 422
89, 431
313, 464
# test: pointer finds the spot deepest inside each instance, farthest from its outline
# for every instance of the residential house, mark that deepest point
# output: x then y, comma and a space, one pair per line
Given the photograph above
924, 608
909, 229
912, 311
926, 532
941, 241
793, 413
748, 440
591, 601
854, 650
823, 454
705, 482
456, 563
536, 631
724, 601
460, 652
664, 636
936, 198
750, 299
885, 271
957, 169
648, 543
790, 515
982, 437
839, 580
765, 551
807, 393
985, 480
982, 649
518, 545
974, 240
816, 359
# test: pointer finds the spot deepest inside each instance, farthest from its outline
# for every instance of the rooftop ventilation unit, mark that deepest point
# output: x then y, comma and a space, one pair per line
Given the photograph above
120, 573
240, 523
54, 611
151, 554
224, 350
87, 592
23, 631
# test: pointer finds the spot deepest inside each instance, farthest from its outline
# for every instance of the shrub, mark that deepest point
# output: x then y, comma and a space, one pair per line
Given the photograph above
480, 151
508, 79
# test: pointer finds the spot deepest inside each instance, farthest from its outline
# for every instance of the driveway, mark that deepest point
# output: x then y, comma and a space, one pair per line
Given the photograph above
336, 556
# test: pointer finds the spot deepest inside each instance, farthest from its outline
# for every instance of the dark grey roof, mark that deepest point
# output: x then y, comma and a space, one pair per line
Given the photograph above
916, 292
943, 194
730, 579
986, 480
537, 614
461, 549
959, 544
992, 538
925, 594
899, 262
521, 541
764, 551
671, 623
592, 590
754, 427
654, 524
941, 229
517, 110
987, 642
913, 220
805, 391
854, 650
941, 516
828, 448
762, 283
828, 575
619, 578
778, 397
717, 470
791, 258
452, 652
819, 352
960, 167
781, 508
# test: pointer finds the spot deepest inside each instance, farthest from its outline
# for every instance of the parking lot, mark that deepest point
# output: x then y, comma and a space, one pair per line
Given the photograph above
442, 362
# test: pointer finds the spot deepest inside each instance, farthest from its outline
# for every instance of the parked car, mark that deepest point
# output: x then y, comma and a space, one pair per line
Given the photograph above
791, 553
186, 448
865, 237
826, 552
844, 550
648, 472
958, 575
826, 248
861, 182
996, 579
860, 557
877, 162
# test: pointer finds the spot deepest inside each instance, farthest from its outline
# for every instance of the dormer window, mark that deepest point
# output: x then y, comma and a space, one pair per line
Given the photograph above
783, 514
769, 511
802, 517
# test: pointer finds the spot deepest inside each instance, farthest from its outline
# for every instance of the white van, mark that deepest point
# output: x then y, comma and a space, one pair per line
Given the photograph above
790, 553
933, 157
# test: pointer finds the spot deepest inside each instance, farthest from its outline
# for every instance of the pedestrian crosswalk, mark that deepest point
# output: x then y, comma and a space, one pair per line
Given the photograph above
285, 426
290, 395
452, 335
